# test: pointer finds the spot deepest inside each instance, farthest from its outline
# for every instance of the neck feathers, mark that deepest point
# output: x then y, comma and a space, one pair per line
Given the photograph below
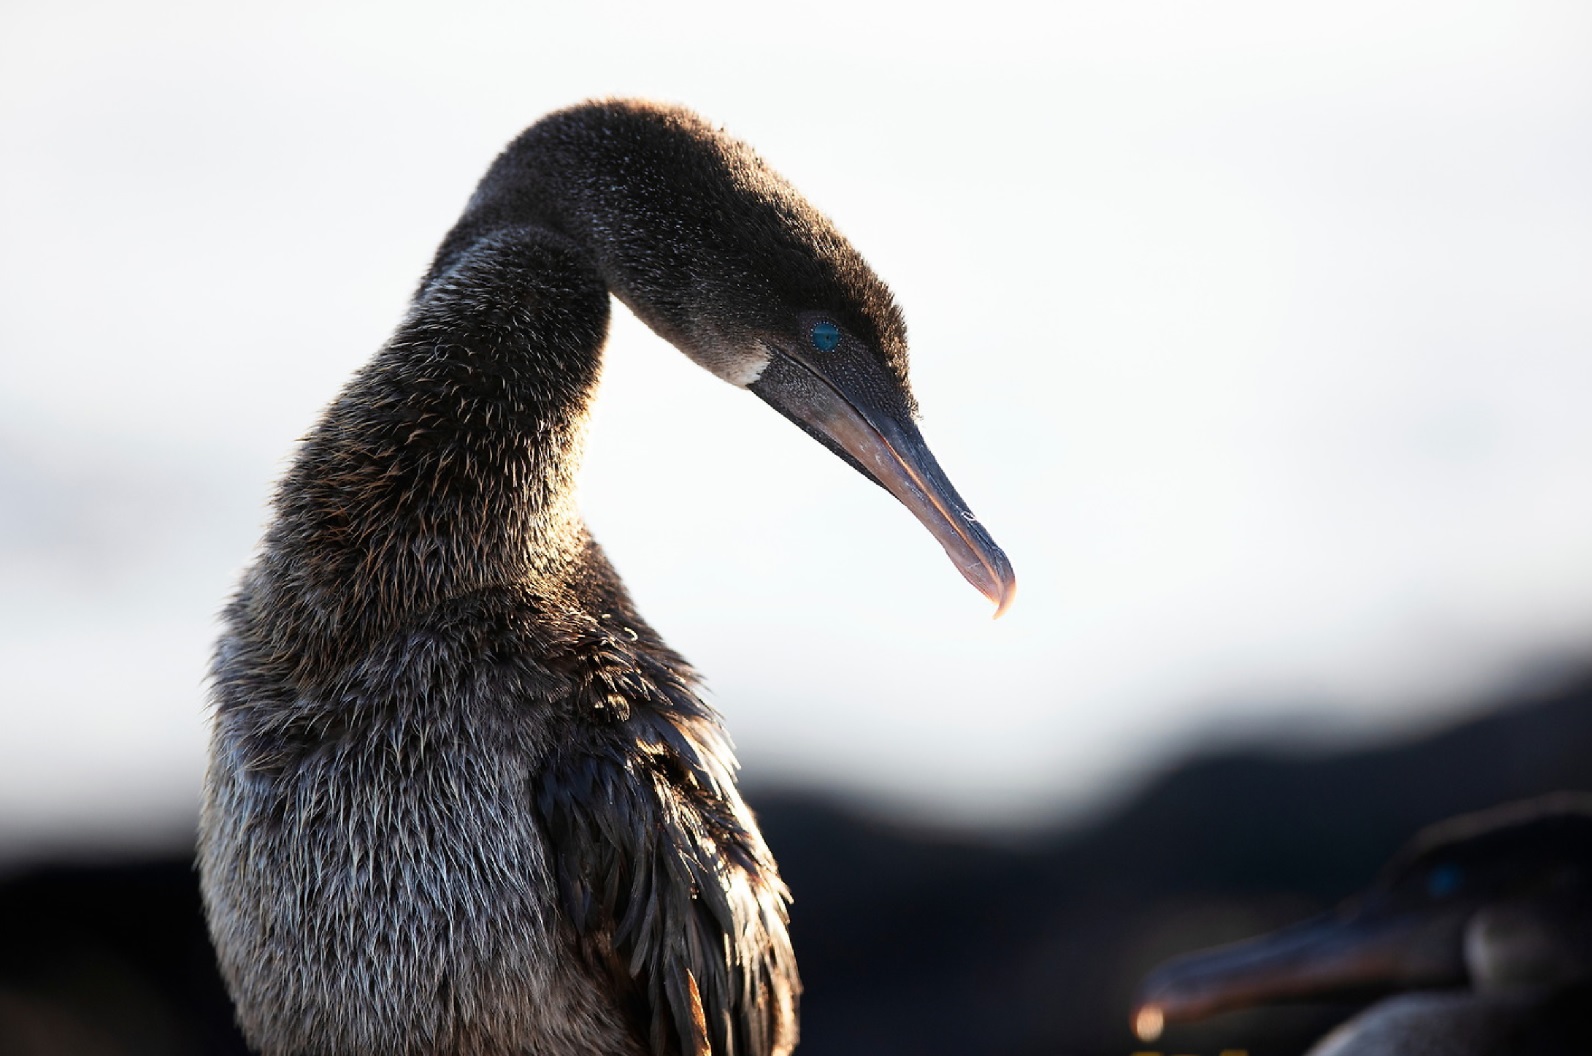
447, 464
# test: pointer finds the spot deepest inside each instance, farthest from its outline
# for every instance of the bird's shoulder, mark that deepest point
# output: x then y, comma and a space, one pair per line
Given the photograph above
508, 646
664, 880
666, 883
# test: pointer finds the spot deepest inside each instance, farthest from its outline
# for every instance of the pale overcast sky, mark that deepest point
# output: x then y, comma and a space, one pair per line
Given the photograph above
1259, 335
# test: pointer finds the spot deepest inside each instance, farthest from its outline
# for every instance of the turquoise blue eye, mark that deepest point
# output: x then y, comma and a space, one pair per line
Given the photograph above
826, 336
1445, 880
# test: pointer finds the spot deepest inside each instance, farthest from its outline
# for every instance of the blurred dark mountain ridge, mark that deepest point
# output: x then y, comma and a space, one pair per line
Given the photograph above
911, 941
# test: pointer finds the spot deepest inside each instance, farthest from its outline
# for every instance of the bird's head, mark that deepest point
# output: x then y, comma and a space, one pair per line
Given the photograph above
1502, 897
720, 256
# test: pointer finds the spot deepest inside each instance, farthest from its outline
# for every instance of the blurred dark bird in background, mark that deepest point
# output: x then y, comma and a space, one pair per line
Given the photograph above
462, 799
914, 941
1486, 918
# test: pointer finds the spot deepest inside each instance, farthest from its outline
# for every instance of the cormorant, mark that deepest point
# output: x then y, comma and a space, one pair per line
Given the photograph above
462, 799
1486, 919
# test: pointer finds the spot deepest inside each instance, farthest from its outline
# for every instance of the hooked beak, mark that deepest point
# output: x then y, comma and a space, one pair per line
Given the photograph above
1340, 954
860, 416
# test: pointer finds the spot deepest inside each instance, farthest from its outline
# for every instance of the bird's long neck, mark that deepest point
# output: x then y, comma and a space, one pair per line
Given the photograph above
447, 465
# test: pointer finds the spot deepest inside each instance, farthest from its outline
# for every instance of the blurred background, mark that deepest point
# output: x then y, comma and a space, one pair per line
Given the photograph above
1259, 335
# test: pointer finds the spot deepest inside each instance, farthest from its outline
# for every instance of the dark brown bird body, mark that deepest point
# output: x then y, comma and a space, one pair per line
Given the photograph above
462, 799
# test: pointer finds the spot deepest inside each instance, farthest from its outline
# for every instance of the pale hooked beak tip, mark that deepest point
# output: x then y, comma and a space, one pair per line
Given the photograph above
1148, 1022
1004, 599
995, 579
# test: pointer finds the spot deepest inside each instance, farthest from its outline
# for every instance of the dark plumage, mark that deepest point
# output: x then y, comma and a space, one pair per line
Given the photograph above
462, 799
1486, 919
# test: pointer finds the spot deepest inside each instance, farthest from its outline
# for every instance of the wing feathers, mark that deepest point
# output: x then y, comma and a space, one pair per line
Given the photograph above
665, 879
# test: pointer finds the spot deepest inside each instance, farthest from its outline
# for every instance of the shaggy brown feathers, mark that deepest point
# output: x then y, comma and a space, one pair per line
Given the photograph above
462, 799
